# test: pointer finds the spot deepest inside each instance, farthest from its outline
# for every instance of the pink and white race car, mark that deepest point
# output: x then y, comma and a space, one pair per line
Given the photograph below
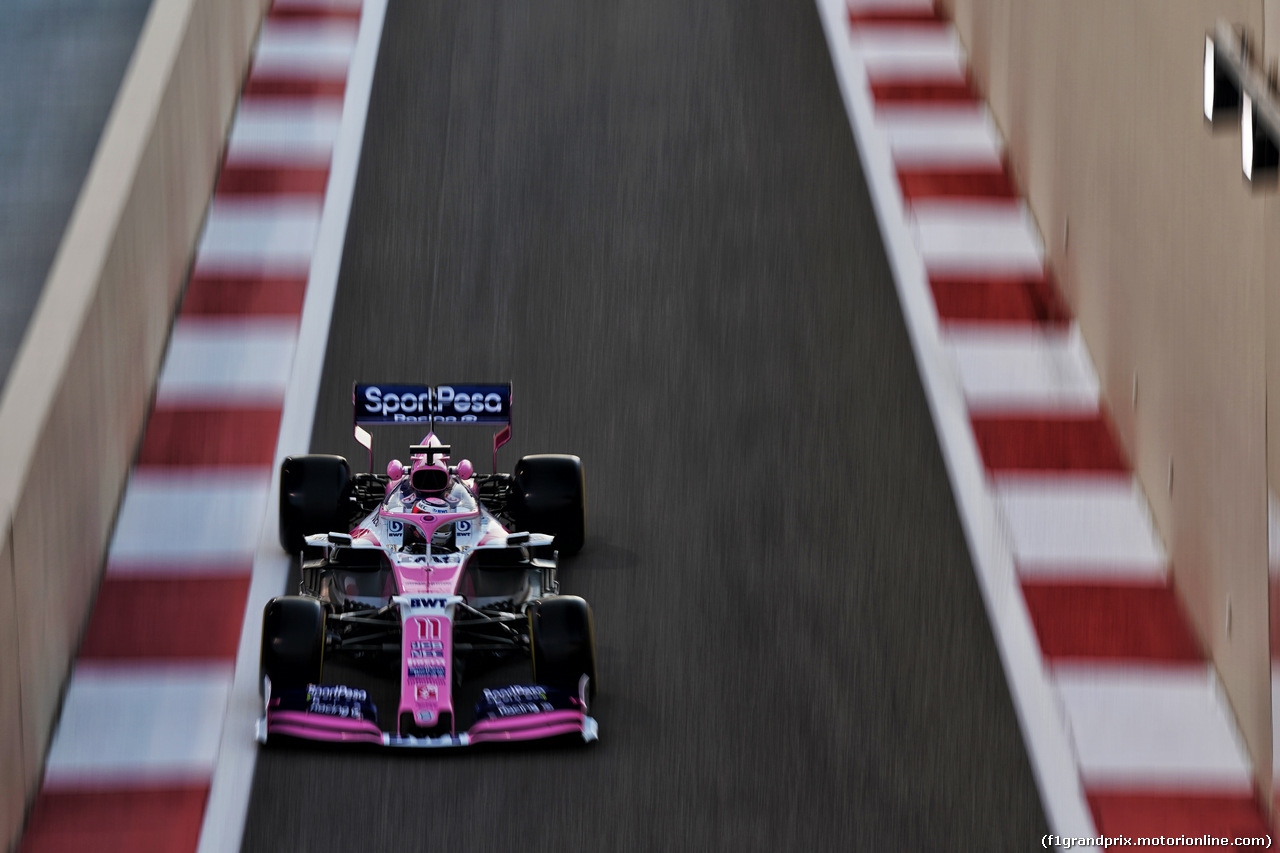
448, 573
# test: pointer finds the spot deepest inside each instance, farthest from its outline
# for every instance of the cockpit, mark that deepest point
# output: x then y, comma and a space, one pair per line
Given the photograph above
442, 540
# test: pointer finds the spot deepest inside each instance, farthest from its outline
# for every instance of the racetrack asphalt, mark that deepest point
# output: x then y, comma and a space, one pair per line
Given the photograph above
651, 218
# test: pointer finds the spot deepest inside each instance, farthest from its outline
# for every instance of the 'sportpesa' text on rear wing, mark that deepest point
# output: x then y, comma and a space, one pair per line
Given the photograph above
431, 404
387, 404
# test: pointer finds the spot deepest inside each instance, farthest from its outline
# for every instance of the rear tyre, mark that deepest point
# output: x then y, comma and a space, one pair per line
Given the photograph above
563, 638
292, 642
550, 497
313, 498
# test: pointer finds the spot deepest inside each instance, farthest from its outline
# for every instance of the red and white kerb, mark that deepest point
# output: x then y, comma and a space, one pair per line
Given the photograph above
133, 757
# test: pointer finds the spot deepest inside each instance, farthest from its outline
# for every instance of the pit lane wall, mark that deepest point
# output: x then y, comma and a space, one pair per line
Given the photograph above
72, 412
1162, 252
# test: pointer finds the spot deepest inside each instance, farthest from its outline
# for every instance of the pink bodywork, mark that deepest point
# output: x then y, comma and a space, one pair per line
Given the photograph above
426, 655
319, 727
528, 727
426, 666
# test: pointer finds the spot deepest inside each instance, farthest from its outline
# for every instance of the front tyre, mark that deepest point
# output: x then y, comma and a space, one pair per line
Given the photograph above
550, 497
292, 642
563, 639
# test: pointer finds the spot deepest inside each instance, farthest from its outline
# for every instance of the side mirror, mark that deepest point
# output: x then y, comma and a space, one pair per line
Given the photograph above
395, 469
465, 469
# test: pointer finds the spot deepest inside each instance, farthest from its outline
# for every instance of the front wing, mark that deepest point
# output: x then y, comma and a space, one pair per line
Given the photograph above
521, 712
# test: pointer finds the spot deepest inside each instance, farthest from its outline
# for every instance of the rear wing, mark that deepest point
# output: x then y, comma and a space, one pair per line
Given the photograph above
386, 404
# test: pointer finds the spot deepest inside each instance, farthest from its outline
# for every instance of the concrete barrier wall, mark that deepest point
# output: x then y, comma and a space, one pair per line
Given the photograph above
72, 412
1161, 251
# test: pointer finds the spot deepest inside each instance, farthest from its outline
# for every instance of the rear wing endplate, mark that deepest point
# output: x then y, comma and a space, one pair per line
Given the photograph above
386, 404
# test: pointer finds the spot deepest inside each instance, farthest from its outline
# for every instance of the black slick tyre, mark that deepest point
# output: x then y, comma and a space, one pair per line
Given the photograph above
550, 497
313, 498
563, 639
292, 642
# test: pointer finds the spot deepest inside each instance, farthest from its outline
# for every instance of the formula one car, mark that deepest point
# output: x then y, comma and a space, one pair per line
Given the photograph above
440, 575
